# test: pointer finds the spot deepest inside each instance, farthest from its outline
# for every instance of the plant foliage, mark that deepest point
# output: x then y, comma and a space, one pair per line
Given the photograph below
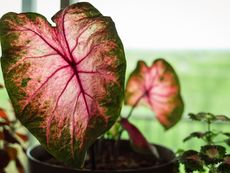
66, 82
211, 155
10, 140
157, 87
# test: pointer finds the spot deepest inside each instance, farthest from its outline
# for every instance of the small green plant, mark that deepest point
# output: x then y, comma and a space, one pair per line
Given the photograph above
10, 141
212, 156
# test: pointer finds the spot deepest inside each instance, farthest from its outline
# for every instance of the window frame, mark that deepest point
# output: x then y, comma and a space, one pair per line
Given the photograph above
31, 5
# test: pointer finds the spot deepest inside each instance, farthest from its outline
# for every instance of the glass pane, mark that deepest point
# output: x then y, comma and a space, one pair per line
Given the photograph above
28, 5
10, 6
194, 37
170, 24
48, 8
73, 1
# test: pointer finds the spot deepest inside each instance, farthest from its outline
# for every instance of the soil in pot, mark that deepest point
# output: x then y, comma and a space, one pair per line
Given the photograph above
110, 157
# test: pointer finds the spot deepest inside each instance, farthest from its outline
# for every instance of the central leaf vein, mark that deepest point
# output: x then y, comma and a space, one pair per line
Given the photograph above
55, 107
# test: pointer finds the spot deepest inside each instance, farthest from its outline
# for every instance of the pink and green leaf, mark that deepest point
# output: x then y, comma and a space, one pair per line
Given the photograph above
65, 81
139, 143
157, 87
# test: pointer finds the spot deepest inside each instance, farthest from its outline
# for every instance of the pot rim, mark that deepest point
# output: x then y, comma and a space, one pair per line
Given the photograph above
31, 148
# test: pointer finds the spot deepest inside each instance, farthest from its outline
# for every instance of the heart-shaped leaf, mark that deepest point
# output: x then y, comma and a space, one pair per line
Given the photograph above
158, 87
65, 81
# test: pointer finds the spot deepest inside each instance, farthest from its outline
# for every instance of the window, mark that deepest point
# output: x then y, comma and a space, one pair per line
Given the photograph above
192, 35
170, 24
7, 6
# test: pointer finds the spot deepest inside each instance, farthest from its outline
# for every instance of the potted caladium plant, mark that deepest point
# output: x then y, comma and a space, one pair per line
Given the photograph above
66, 83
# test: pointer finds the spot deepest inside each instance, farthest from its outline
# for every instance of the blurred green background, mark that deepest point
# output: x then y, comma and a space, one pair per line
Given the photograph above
205, 83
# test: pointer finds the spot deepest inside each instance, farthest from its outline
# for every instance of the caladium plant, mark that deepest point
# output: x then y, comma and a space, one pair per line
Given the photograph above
66, 80
158, 87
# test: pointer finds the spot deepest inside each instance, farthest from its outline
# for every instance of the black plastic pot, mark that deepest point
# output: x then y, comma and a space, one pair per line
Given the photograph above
37, 157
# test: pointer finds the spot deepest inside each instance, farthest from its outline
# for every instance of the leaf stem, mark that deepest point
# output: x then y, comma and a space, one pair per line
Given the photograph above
209, 140
130, 113
135, 105
209, 128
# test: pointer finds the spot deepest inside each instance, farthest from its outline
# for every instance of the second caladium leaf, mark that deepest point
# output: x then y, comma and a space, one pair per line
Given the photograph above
65, 81
158, 87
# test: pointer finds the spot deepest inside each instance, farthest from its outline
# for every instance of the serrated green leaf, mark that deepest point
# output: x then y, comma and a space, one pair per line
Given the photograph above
202, 116
192, 161
201, 135
227, 141
212, 154
227, 158
226, 134
194, 135
222, 118
225, 166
